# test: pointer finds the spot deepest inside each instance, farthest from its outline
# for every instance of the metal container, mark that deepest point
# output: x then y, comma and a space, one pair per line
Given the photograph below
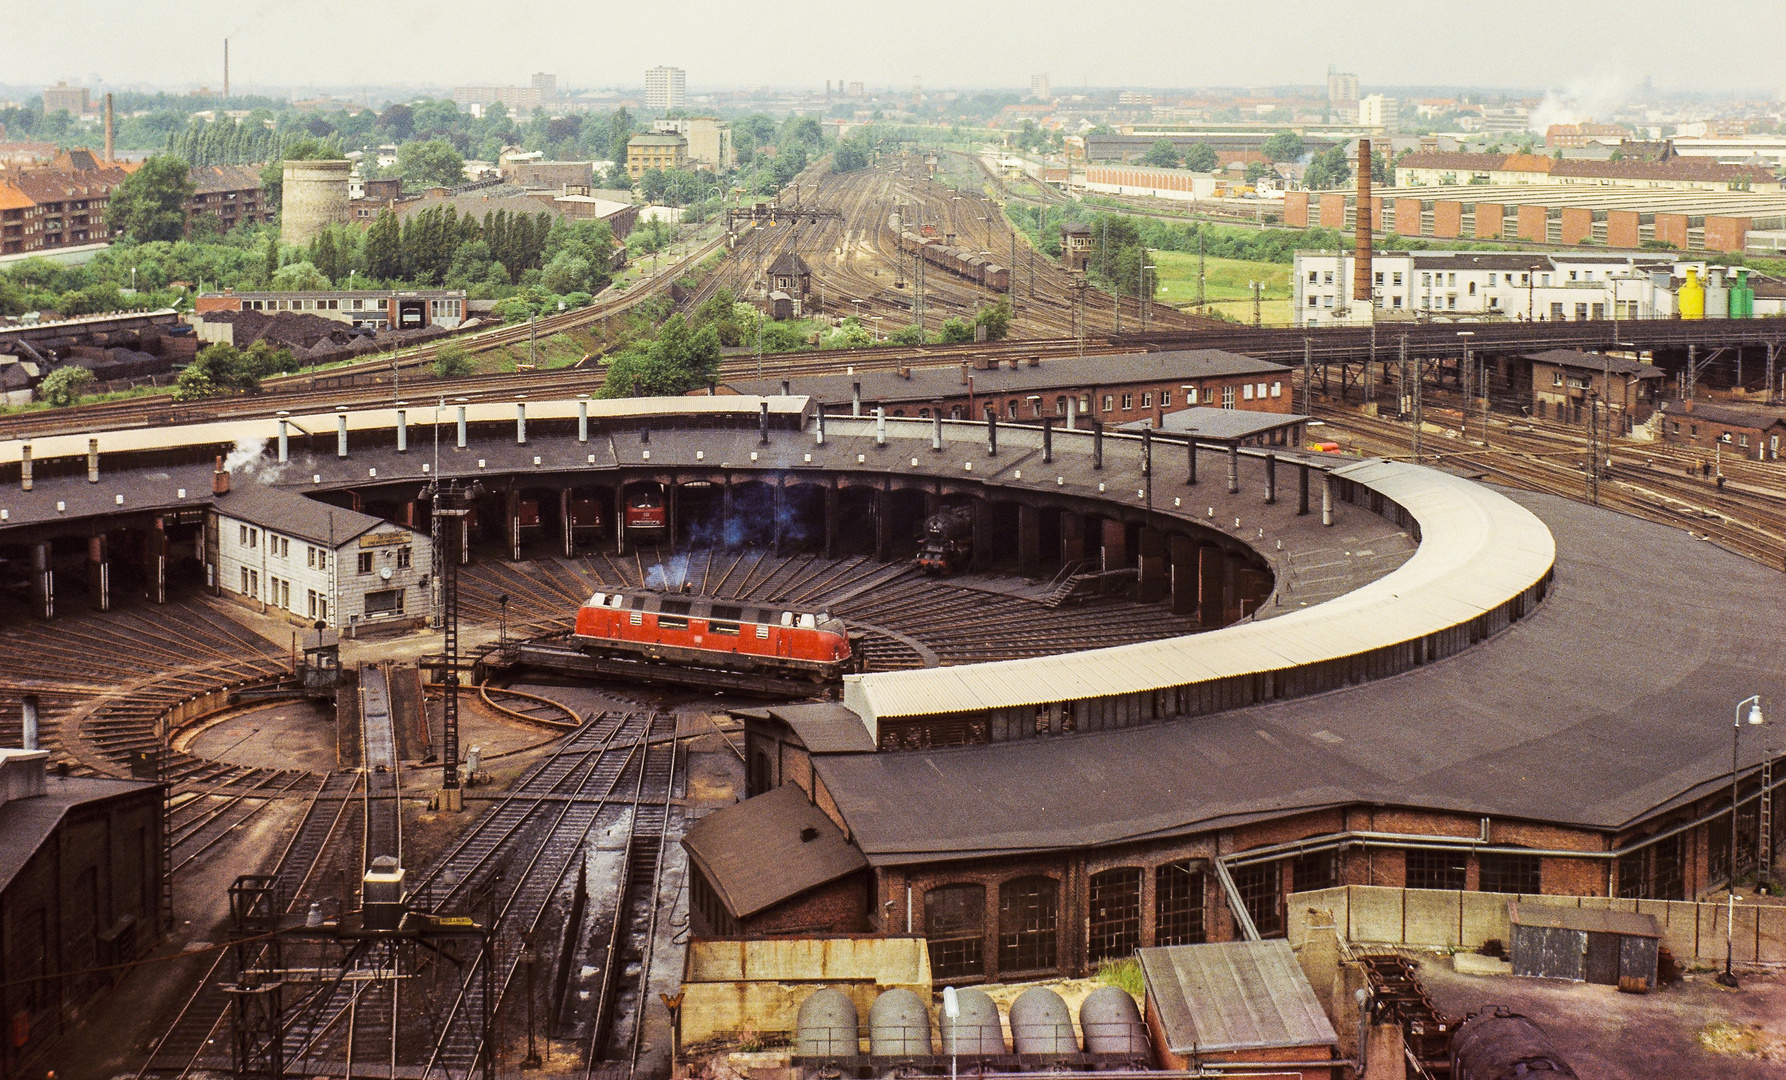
976, 1032
1112, 1024
898, 1025
826, 1026
1717, 295
1691, 298
1497, 1044
1041, 1024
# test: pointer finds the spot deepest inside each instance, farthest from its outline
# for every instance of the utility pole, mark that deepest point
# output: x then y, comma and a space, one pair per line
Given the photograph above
1416, 404
1202, 295
1308, 377
1594, 449
1370, 368
1255, 286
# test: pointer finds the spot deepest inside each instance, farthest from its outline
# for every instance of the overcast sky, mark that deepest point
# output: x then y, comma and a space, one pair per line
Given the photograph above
1600, 45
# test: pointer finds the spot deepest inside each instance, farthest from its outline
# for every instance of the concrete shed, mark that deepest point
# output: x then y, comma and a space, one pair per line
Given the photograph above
1614, 948
1237, 1006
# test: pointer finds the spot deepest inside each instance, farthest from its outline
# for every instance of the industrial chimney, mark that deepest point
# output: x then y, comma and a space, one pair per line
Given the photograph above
226, 69
220, 479
108, 127
1361, 248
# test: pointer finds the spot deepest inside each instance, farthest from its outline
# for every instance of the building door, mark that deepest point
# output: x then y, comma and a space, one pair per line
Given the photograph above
1603, 959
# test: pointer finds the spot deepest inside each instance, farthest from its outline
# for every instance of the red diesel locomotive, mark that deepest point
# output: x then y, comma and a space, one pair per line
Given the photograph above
645, 515
716, 633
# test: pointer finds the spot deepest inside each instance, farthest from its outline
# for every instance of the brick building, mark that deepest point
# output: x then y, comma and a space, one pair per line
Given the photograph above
59, 206
232, 194
1744, 430
1110, 389
82, 891
647, 152
1564, 381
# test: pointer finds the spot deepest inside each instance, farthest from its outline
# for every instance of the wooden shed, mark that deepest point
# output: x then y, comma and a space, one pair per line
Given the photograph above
1614, 948
1237, 1006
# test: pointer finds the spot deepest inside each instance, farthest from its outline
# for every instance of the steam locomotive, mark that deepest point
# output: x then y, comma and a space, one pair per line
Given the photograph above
946, 541
714, 633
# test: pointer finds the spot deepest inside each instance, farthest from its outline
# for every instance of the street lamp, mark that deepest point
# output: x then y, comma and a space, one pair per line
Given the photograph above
1753, 701
1465, 376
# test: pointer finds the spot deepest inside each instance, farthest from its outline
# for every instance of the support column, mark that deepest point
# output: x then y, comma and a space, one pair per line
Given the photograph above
512, 518
99, 574
1301, 490
672, 511
564, 523
1190, 461
1072, 536
1270, 479
1029, 540
833, 515
982, 557
1154, 582
1327, 498
155, 563
1209, 586
775, 504
1231, 567
883, 526
43, 582
726, 510
620, 518
1233, 468
1182, 551
1114, 545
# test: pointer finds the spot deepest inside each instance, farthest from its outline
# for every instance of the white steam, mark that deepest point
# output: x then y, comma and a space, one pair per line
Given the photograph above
1585, 100
249, 458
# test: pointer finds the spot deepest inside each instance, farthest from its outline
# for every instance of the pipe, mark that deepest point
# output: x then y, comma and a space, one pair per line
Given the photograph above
28, 721
1097, 444
1072, 409
880, 425
341, 434
25, 467
908, 907
763, 424
520, 423
856, 399
936, 430
1243, 919
1270, 479
1190, 453
583, 420
1047, 439
1302, 491
461, 440
992, 434
821, 426
1327, 498
1233, 468
284, 442
403, 431
92, 461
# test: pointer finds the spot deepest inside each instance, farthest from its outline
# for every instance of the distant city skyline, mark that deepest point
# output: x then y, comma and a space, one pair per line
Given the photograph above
1148, 43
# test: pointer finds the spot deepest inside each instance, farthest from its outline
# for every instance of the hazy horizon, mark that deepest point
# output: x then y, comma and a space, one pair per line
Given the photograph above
328, 44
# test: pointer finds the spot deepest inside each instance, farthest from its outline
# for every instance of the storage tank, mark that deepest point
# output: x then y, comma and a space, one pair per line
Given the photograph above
1742, 296
826, 1026
976, 1032
1041, 1024
1112, 1024
1691, 298
1717, 295
1497, 1044
898, 1025
313, 195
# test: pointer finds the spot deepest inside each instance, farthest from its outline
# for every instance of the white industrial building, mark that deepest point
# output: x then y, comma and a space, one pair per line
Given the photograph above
1515, 286
288, 555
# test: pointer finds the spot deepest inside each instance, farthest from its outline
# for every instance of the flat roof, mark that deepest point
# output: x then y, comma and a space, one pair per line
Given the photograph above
1589, 920
735, 849
1237, 995
1587, 361
1208, 423
1568, 716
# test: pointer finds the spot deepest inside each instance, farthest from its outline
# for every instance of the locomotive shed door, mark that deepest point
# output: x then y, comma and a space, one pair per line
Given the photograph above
1603, 959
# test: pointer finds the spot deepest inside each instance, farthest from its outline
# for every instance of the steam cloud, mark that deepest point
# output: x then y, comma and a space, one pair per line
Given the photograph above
1585, 99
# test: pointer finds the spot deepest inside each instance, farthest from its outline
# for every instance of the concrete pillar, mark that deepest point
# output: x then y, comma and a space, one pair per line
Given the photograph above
1047, 439
341, 434
92, 461
582, 419
520, 423
459, 439
1072, 536
1209, 586
403, 431
512, 516
936, 431
833, 515
1301, 490
819, 426
1270, 479
99, 574
1029, 540
1327, 498
155, 563
1233, 468
284, 443
880, 425
1182, 551
1114, 545
25, 467
982, 557
619, 518
1153, 583
672, 511
28, 722
1072, 410
1190, 462
883, 526
564, 523
726, 511
1097, 444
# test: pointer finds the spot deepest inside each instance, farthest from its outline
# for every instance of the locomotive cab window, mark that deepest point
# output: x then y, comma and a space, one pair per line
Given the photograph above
787, 618
728, 629
672, 622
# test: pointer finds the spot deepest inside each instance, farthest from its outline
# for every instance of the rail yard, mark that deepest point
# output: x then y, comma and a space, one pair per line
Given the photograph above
723, 693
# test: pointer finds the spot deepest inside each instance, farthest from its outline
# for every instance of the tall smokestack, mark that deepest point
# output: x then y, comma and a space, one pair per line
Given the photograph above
108, 127
226, 69
1361, 248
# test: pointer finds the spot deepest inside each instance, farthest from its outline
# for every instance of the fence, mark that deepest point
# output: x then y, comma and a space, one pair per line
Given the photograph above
1444, 919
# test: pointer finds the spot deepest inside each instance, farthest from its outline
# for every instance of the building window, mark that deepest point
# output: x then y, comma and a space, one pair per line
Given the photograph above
1379, 277
384, 602
244, 581
404, 558
1115, 914
1262, 891
1314, 301
1246, 391
1556, 378
1396, 279
1128, 402
1147, 401
1435, 869
242, 535
1178, 905
953, 920
1581, 312
705, 900
1277, 389
1313, 277
1327, 278
1314, 870
1227, 397
1027, 912
1190, 395
1109, 403
1510, 873
365, 562
1165, 399
1491, 279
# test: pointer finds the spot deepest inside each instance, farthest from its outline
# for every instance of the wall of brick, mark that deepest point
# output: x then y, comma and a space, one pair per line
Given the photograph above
1448, 219
1726, 233
1533, 223
1621, 229
1672, 229
1490, 220
1407, 217
1578, 224
1296, 209
1333, 209
840, 907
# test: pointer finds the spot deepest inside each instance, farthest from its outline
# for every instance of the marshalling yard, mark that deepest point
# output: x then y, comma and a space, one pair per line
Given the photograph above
931, 666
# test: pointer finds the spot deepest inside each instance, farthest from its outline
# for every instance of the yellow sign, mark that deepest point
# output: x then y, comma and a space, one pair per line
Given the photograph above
383, 539
453, 920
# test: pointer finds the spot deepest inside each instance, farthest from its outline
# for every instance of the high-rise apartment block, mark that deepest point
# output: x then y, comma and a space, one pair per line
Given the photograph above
64, 98
665, 88
1038, 87
1342, 87
1377, 111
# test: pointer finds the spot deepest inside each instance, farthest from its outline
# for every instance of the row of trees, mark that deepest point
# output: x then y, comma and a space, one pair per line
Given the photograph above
230, 142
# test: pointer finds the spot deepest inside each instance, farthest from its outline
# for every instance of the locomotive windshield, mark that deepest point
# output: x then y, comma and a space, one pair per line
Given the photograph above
648, 499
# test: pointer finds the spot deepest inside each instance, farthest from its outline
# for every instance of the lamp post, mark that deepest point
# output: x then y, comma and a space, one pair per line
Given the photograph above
1464, 376
1753, 701
952, 1011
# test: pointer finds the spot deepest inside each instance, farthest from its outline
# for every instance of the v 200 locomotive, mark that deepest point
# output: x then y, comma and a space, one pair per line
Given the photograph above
702, 632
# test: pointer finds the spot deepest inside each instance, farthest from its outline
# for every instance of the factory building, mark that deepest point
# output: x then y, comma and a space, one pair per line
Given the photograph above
1109, 389
82, 892
306, 561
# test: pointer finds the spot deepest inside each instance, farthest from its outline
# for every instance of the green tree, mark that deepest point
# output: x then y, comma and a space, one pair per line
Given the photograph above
430, 163
996, 319
1201, 158
849, 157
384, 247
680, 359
956, 331
270, 266
1256, 171
65, 386
151, 202
1162, 155
222, 367
322, 254
299, 277
1329, 169
1282, 147
907, 335
452, 360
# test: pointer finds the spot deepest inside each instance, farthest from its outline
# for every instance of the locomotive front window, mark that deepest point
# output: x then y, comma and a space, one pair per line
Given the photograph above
809, 622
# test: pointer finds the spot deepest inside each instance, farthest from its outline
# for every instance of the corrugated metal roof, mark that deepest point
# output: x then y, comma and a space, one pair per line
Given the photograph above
1591, 920
1237, 995
774, 847
1477, 550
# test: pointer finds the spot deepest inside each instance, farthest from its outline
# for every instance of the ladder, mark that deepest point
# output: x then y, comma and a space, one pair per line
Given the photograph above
1765, 826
